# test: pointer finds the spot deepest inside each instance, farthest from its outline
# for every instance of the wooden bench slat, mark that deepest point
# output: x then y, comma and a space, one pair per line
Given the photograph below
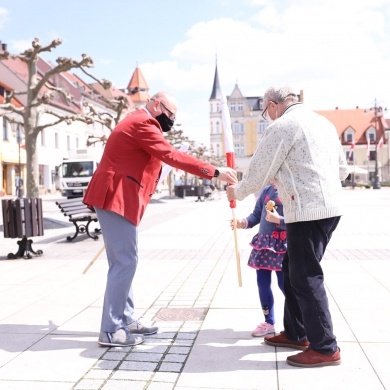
78, 214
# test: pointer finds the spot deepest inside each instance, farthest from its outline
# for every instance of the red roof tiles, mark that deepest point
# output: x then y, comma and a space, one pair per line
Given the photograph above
359, 120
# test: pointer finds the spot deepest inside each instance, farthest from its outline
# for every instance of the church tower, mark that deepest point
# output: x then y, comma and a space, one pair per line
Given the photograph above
248, 125
216, 136
138, 89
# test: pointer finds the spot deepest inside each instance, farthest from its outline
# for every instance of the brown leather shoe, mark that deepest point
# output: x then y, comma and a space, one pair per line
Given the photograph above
311, 358
281, 340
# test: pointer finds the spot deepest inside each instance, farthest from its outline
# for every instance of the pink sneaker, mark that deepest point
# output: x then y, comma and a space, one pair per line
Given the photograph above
263, 329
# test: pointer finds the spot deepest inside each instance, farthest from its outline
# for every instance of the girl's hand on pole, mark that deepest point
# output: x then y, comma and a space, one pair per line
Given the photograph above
230, 192
240, 223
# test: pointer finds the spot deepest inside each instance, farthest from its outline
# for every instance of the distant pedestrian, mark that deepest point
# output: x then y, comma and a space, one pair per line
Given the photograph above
269, 247
302, 151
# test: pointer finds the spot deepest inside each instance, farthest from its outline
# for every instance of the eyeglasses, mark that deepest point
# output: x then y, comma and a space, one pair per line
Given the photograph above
266, 108
172, 116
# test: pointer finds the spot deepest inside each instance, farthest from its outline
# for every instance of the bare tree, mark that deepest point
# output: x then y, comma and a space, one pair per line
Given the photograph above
118, 104
40, 90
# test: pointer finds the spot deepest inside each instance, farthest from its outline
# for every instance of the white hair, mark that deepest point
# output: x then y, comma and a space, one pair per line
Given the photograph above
280, 94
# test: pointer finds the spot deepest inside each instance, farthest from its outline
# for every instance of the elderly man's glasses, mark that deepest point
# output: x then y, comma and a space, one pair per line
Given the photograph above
171, 115
266, 108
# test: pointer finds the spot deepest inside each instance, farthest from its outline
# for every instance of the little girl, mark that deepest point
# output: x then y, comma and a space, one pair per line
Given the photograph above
269, 247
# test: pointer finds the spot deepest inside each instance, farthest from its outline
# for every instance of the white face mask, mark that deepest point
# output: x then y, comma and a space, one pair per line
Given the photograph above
268, 118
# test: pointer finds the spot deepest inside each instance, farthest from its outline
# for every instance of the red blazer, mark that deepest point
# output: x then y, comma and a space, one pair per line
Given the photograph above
130, 168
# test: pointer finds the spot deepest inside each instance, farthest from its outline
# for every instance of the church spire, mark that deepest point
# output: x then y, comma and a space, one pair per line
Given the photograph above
216, 93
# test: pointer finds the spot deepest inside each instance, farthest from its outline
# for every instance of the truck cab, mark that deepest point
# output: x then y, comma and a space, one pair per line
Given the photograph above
74, 175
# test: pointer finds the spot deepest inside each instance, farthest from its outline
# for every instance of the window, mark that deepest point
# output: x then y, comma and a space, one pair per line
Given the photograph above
5, 129
19, 133
236, 127
372, 155
262, 127
239, 150
41, 175
349, 135
232, 106
77, 168
217, 107
217, 127
371, 134
240, 106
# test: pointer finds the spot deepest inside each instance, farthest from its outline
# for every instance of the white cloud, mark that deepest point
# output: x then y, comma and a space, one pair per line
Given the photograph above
335, 52
3, 16
18, 46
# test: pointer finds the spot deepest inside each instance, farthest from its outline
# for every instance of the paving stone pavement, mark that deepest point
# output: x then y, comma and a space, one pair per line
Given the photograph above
186, 283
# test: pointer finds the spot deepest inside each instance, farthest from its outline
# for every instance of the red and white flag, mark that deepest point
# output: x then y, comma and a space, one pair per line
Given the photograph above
227, 130
380, 143
230, 162
350, 151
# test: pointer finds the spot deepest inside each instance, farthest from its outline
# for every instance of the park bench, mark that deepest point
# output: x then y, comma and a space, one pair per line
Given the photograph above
80, 215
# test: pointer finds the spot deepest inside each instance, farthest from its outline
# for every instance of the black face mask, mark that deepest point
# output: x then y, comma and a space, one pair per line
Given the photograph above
165, 123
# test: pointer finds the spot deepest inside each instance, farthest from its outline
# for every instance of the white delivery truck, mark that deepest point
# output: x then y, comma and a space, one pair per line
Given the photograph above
74, 174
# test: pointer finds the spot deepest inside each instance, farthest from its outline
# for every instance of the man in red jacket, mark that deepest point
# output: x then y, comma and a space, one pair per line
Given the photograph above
119, 191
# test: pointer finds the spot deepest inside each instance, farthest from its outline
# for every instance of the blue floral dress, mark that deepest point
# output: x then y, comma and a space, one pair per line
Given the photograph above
269, 244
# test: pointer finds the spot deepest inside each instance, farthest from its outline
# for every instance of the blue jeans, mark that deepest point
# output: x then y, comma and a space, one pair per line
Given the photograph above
306, 308
265, 292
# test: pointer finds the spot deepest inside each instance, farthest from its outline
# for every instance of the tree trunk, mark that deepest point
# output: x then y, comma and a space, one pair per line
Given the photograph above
32, 185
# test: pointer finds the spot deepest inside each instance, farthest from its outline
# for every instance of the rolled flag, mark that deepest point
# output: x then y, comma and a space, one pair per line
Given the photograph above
230, 162
368, 148
229, 146
380, 143
350, 151
167, 168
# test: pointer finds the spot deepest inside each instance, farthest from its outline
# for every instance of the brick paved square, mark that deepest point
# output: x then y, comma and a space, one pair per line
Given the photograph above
98, 374
171, 367
132, 375
138, 366
144, 357
165, 377
89, 384
174, 357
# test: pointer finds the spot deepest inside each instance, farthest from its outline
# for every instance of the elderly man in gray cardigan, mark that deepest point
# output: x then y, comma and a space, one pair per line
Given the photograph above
302, 152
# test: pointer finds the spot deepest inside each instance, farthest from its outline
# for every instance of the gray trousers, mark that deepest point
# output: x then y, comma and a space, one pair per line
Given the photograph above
121, 239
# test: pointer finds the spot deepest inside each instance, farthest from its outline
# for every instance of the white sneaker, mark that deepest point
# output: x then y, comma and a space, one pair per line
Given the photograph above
137, 328
263, 329
121, 338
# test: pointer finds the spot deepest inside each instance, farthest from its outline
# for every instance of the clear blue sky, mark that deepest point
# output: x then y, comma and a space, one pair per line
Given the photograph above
336, 51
